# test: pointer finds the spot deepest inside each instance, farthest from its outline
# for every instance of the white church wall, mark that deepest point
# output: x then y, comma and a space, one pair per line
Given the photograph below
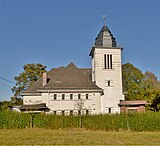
29, 100
92, 103
110, 80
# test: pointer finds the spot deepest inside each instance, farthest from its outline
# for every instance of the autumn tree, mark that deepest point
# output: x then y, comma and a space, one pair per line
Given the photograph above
152, 90
30, 74
150, 80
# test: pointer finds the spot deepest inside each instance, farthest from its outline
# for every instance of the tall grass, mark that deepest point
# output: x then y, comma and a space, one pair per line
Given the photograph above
135, 122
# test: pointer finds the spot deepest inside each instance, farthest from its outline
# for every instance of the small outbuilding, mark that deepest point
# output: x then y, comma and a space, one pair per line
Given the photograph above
128, 106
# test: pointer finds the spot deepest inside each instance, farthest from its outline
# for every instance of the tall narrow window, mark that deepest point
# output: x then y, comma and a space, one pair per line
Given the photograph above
55, 96
109, 83
105, 61
109, 110
79, 96
71, 96
110, 61
86, 96
63, 96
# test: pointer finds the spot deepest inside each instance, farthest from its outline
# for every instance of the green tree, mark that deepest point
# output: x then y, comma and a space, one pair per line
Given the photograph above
4, 105
141, 86
155, 101
132, 79
16, 100
30, 74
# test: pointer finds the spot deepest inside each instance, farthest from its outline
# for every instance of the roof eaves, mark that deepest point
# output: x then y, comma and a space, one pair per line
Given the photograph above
31, 94
70, 90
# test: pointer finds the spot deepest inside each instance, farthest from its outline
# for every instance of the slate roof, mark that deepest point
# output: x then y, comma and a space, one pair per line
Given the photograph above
105, 28
67, 78
100, 39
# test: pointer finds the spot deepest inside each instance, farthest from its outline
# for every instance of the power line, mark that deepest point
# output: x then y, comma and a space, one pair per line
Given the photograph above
7, 80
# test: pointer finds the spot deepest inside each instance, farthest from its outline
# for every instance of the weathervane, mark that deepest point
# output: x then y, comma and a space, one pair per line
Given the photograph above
104, 18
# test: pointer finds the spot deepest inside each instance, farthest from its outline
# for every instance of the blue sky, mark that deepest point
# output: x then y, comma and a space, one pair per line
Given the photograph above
57, 32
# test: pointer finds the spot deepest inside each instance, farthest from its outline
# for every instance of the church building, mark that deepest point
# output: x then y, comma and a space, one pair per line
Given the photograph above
72, 90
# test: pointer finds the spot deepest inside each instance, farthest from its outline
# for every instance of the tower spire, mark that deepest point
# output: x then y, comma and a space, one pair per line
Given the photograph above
105, 37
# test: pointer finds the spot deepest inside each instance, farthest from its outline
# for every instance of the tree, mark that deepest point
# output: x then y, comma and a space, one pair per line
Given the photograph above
32, 72
132, 79
155, 102
150, 80
151, 84
4, 105
16, 100
141, 86
152, 90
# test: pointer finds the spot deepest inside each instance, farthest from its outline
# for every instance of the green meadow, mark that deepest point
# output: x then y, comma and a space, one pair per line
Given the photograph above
36, 136
41, 129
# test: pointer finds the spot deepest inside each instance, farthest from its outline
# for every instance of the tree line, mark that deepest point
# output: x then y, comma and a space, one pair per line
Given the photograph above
141, 86
136, 85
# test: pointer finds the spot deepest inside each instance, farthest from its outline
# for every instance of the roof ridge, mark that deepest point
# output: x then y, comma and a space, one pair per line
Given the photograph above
71, 65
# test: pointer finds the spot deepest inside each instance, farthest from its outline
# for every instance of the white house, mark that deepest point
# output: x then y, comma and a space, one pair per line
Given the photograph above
71, 90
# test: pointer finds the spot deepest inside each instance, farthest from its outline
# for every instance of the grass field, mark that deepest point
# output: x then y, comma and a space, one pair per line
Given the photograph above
76, 137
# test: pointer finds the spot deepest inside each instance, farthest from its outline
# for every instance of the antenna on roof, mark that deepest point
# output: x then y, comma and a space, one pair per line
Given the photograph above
104, 18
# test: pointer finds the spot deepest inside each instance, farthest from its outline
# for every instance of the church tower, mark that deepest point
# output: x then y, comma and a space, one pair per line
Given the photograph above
106, 70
